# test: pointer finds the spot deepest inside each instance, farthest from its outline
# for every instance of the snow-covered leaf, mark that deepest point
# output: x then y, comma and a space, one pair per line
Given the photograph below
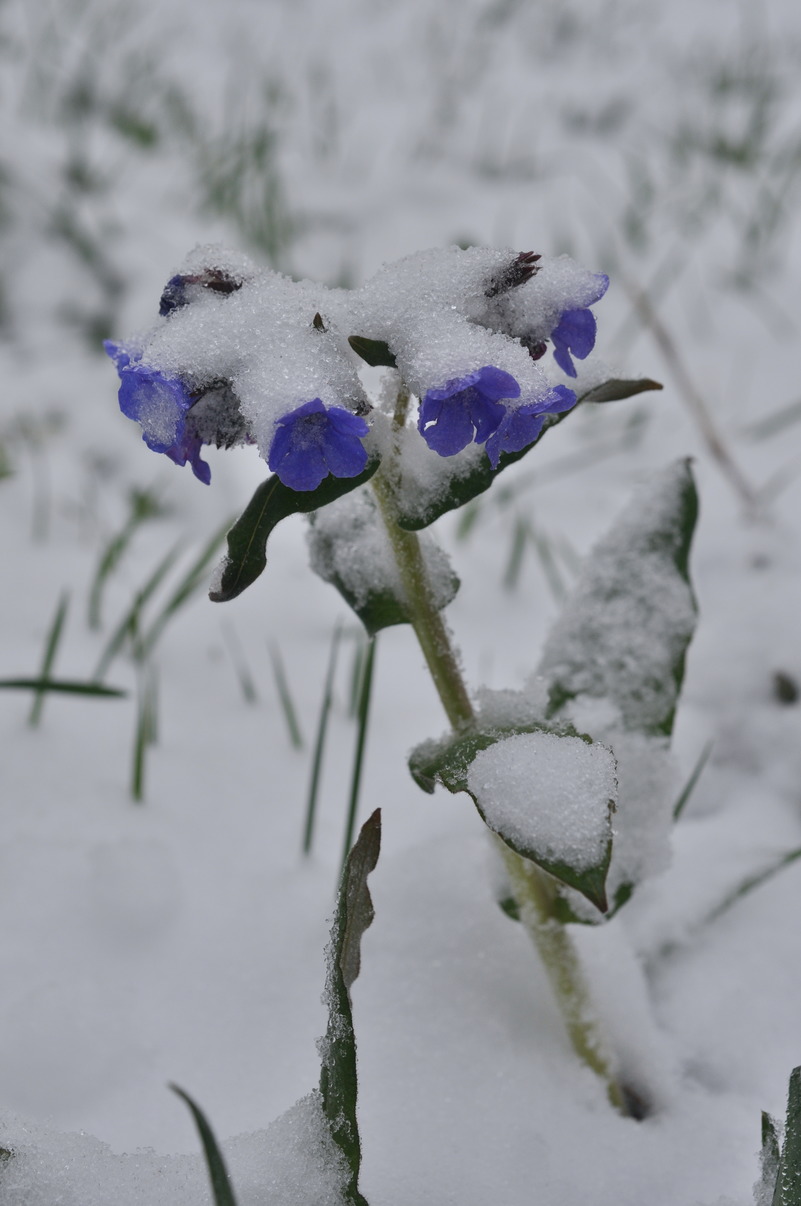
624, 633
338, 1076
787, 1190
272, 502
350, 549
549, 796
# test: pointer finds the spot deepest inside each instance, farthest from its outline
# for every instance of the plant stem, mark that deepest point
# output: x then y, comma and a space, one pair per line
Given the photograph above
533, 889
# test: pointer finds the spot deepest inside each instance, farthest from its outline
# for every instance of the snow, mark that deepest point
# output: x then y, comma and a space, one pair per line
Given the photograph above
547, 793
181, 939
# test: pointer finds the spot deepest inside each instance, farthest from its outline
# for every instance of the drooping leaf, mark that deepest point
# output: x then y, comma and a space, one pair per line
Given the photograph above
338, 1074
448, 762
624, 633
272, 502
787, 1191
457, 483
221, 1188
618, 388
374, 352
350, 549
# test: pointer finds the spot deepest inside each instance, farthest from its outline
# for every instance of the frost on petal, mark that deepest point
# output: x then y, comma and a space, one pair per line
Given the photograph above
465, 409
574, 333
312, 441
522, 425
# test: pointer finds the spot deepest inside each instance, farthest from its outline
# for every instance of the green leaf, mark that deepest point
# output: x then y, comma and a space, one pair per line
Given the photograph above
624, 633
617, 388
466, 482
338, 1076
272, 502
374, 351
218, 1174
448, 762
788, 1180
63, 686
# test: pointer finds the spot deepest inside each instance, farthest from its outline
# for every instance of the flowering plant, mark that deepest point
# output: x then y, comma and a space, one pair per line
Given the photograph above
571, 775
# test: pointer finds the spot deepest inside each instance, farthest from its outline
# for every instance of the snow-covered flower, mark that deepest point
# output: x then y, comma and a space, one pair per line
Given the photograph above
465, 409
575, 332
160, 404
313, 441
521, 425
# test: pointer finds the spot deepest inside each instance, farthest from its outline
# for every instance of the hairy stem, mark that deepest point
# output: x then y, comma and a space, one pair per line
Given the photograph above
533, 889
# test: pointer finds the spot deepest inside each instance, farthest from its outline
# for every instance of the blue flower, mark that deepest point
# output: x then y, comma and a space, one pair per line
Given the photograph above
522, 425
575, 331
160, 405
313, 441
465, 409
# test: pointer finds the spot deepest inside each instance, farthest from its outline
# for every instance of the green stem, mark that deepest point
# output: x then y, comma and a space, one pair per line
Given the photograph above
533, 889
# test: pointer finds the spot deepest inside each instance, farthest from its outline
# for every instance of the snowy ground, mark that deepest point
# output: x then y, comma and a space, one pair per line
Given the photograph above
181, 938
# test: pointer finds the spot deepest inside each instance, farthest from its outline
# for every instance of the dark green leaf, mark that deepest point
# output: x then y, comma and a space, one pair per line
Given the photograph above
788, 1180
62, 686
617, 388
467, 483
624, 633
448, 762
338, 1076
218, 1174
374, 351
272, 502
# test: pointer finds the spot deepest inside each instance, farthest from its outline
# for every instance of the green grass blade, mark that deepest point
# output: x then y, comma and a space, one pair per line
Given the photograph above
244, 677
774, 423
221, 1188
109, 560
517, 551
359, 651
753, 881
51, 648
689, 787
62, 686
361, 744
285, 696
194, 578
146, 730
319, 741
129, 624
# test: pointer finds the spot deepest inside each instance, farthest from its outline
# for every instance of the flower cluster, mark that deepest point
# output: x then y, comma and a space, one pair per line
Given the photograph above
240, 355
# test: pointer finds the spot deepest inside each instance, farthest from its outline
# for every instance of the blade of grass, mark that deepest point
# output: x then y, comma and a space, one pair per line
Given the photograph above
284, 694
51, 648
319, 742
361, 743
143, 505
194, 578
146, 729
775, 422
246, 683
748, 885
129, 624
689, 786
517, 551
221, 1188
359, 650
62, 686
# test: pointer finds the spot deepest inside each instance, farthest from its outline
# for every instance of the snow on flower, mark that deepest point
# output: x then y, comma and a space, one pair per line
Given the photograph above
160, 405
313, 441
465, 409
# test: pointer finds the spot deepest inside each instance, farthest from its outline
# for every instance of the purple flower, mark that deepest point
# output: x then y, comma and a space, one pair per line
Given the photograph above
575, 332
160, 405
313, 441
521, 426
465, 409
